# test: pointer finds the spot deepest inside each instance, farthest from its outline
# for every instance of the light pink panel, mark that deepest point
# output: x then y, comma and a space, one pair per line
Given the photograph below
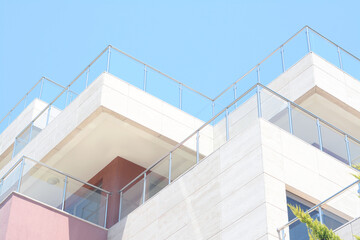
22, 218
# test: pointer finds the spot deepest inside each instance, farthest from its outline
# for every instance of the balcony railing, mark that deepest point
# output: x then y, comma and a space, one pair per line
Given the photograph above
258, 102
56, 189
178, 94
345, 204
44, 89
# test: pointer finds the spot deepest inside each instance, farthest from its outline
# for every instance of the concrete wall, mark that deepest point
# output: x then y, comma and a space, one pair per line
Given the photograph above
23, 218
347, 231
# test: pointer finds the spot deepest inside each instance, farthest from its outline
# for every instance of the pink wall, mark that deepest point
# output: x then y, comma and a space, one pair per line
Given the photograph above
25, 219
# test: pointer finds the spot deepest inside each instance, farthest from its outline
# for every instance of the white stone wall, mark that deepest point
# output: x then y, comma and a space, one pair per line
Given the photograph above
347, 231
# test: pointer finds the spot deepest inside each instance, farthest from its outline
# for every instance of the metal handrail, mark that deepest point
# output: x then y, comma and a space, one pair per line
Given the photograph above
221, 112
319, 205
191, 135
165, 75
277, 49
53, 169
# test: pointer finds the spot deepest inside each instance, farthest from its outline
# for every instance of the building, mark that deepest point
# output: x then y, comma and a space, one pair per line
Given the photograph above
127, 152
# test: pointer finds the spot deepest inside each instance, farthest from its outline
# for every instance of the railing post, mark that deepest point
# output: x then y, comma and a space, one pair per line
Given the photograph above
30, 133
308, 39
283, 234
321, 219
282, 59
48, 116
67, 96
25, 100
64, 194
340, 60
258, 100
120, 207
258, 74
14, 150
106, 208
1, 185
180, 96
227, 123
319, 134
41, 87
87, 77
348, 150
213, 108
145, 77
144, 189
235, 95
197, 146
290, 118
108, 60
20, 174
170, 165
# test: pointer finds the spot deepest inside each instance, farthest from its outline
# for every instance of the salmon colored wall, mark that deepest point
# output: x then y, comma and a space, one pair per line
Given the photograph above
114, 177
23, 218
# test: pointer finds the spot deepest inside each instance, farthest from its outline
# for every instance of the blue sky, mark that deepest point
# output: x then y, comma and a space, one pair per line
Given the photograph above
205, 44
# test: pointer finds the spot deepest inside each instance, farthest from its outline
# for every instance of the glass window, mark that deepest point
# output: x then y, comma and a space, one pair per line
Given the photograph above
298, 230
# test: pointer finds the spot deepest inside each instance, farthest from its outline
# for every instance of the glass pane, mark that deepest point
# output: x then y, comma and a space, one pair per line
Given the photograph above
334, 143
85, 202
241, 118
132, 197
163, 88
304, 127
49, 91
127, 69
350, 65
354, 148
275, 110
157, 178
324, 49
196, 105
42, 184
271, 68
295, 49
331, 220
183, 158
10, 183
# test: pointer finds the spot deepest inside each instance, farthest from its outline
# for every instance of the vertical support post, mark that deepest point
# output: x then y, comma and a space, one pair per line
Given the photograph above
108, 60
64, 194
48, 115
282, 59
283, 234
308, 39
197, 146
106, 209
145, 77
213, 108
144, 189
258, 101
290, 118
227, 123
25, 100
87, 77
41, 88
340, 60
321, 219
180, 96
170, 165
319, 133
1, 185
258, 73
235, 95
20, 174
120, 207
30, 133
14, 150
348, 149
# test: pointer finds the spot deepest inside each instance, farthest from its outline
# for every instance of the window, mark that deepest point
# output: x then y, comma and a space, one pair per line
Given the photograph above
298, 230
